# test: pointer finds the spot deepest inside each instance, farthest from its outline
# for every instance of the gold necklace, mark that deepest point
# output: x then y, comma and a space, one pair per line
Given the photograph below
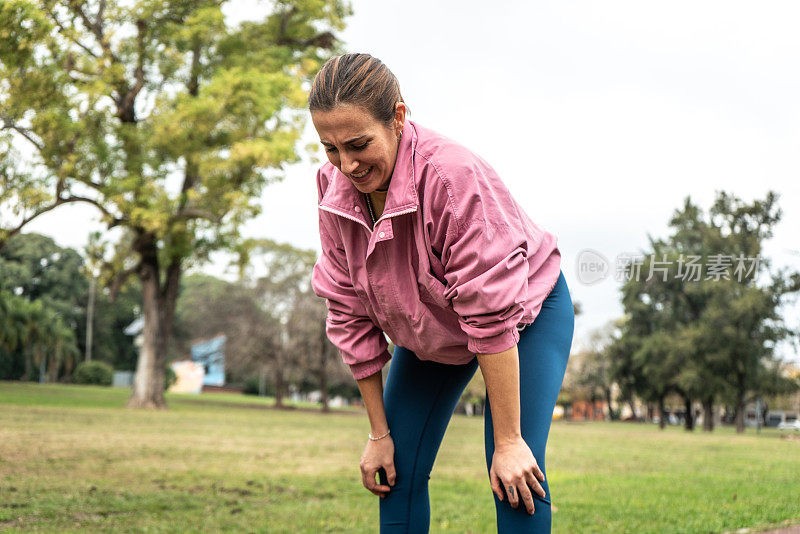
370, 208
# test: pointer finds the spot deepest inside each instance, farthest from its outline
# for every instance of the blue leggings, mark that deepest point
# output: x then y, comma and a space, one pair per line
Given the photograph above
419, 399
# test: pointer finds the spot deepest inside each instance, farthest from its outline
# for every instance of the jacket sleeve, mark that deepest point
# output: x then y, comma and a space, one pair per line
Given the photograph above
484, 252
361, 343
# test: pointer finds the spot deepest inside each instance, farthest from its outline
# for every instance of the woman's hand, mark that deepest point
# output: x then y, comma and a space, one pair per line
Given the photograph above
514, 469
378, 453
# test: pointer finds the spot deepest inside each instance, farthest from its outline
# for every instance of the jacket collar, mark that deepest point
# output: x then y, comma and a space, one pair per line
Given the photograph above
342, 196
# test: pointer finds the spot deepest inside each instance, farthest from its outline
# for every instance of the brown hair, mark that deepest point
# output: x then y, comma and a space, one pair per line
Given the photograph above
356, 79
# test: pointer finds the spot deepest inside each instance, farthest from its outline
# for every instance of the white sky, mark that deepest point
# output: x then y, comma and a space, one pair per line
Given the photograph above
599, 116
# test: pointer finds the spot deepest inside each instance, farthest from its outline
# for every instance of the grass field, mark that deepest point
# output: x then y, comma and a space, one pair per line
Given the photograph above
73, 459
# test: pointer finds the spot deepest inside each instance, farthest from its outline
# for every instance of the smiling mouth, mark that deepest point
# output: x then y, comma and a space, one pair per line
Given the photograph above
361, 175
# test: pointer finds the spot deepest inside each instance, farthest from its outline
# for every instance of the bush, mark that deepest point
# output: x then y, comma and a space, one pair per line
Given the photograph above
98, 373
169, 377
348, 390
251, 387
12, 366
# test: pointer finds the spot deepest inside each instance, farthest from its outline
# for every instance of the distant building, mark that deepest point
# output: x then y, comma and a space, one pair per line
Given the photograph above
210, 354
582, 410
190, 375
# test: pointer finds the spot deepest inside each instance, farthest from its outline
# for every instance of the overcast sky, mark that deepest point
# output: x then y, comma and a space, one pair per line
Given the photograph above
601, 117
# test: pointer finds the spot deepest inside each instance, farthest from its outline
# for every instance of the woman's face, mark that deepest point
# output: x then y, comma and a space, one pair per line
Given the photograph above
361, 147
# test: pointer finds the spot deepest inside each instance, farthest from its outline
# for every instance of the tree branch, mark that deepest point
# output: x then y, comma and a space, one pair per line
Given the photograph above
99, 18
49, 207
193, 86
95, 27
119, 280
74, 198
323, 40
65, 32
127, 100
141, 27
8, 124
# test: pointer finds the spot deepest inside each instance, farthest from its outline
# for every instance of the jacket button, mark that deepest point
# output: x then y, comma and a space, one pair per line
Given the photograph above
382, 235
358, 209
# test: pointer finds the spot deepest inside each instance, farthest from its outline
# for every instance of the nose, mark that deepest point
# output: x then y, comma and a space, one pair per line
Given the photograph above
348, 164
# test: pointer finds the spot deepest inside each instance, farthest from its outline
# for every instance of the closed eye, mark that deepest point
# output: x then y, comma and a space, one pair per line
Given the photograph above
355, 147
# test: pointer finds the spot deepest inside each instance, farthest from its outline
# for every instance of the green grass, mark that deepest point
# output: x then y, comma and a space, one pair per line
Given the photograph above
73, 459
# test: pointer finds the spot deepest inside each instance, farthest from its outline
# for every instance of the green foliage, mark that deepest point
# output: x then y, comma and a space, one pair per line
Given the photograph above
346, 389
34, 268
252, 387
169, 378
111, 317
116, 98
159, 114
708, 336
37, 332
95, 373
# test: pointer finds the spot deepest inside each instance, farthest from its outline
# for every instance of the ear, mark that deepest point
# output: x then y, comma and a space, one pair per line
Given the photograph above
399, 117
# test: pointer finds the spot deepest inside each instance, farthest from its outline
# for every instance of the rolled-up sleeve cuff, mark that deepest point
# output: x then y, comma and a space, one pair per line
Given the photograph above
364, 369
494, 344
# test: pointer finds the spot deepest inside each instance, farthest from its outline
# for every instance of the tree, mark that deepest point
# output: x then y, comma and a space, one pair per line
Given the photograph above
309, 345
39, 333
208, 306
593, 375
163, 117
12, 335
706, 334
34, 267
42, 289
280, 277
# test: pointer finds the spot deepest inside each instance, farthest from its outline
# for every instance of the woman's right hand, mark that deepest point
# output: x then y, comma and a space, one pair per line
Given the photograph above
378, 453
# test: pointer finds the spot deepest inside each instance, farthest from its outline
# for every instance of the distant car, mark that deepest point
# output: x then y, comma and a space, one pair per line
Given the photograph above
793, 425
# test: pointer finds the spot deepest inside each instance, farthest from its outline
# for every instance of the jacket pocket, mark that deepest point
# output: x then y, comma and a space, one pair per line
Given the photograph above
431, 289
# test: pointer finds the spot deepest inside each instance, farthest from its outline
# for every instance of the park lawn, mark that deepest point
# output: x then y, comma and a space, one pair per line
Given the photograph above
73, 459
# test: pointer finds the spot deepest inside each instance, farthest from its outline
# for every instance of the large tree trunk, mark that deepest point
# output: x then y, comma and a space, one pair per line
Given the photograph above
740, 412
611, 415
708, 414
633, 408
689, 422
662, 418
158, 304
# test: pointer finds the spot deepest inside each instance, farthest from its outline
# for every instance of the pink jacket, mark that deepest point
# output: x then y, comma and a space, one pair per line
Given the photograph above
453, 266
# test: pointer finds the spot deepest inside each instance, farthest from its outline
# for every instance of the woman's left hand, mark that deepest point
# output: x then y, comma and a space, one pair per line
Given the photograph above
514, 469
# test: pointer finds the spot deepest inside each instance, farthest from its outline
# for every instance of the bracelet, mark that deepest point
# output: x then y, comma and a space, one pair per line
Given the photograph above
376, 439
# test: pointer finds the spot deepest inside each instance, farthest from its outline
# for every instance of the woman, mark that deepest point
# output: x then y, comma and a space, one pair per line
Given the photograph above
421, 240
